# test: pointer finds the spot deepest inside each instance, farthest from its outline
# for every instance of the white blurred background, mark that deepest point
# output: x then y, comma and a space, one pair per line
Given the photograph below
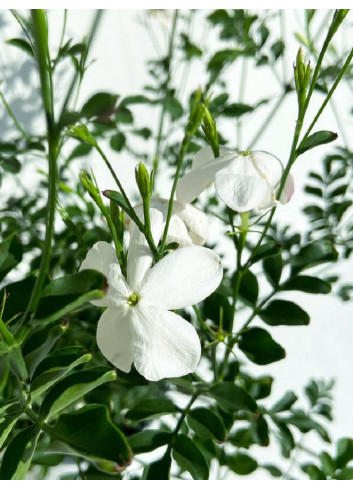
120, 51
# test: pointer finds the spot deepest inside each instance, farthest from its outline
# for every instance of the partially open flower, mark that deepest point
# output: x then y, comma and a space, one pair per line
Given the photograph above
188, 225
138, 325
243, 180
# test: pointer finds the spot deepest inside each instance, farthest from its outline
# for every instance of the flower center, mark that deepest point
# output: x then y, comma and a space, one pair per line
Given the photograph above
133, 299
245, 153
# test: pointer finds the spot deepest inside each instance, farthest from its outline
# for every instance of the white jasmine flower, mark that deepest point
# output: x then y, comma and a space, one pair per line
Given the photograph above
243, 180
138, 325
188, 224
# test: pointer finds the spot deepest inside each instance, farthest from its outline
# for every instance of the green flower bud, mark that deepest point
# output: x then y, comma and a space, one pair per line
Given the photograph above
143, 180
210, 130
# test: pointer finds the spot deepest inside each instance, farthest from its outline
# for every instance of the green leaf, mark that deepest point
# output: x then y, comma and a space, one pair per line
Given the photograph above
6, 426
273, 266
174, 107
207, 424
259, 346
285, 403
117, 141
313, 472
158, 470
135, 99
241, 463
265, 250
212, 306
316, 139
286, 438
56, 366
232, 398
72, 388
90, 433
236, 110
123, 116
82, 149
312, 254
39, 344
327, 464
304, 423
304, 283
100, 104
277, 48
242, 437
344, 452
69, 292
18, 455
151, 408
249, 288
11, 252
119, 199
280, 312
272, 469
189, 457
23, 45
11, 164
148, 440
81, 133
143, 132
220, 59
261, 431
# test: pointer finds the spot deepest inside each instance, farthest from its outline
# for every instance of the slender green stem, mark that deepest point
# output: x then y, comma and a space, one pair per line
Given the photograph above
240, 270
133, 214
338, 17
14, 118
184, 413
328, 96
40, 29
166, 89
179, 165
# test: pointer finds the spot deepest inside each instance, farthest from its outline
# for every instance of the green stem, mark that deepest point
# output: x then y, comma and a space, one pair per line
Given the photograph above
328, 96
40, 32
179, 165
166, 89
240, 270
133, 214
184, 413
13, 117
338, 17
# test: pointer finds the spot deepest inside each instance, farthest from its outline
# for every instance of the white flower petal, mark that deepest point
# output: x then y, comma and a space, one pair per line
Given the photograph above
241, 192
177, 232
140, 257
102, 257
196, 222
202, 157
182, 278
193, 183
165, 345
268, 166
115, 336
288, 190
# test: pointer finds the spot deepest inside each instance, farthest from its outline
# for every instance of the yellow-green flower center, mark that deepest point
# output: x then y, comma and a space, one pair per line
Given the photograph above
133, 299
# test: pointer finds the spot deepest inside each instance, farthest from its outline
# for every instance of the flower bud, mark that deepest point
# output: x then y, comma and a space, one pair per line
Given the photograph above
196, 113
210, 130
142, 180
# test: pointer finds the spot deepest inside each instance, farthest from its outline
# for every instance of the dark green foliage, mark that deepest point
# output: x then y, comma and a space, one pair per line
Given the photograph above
259, 346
